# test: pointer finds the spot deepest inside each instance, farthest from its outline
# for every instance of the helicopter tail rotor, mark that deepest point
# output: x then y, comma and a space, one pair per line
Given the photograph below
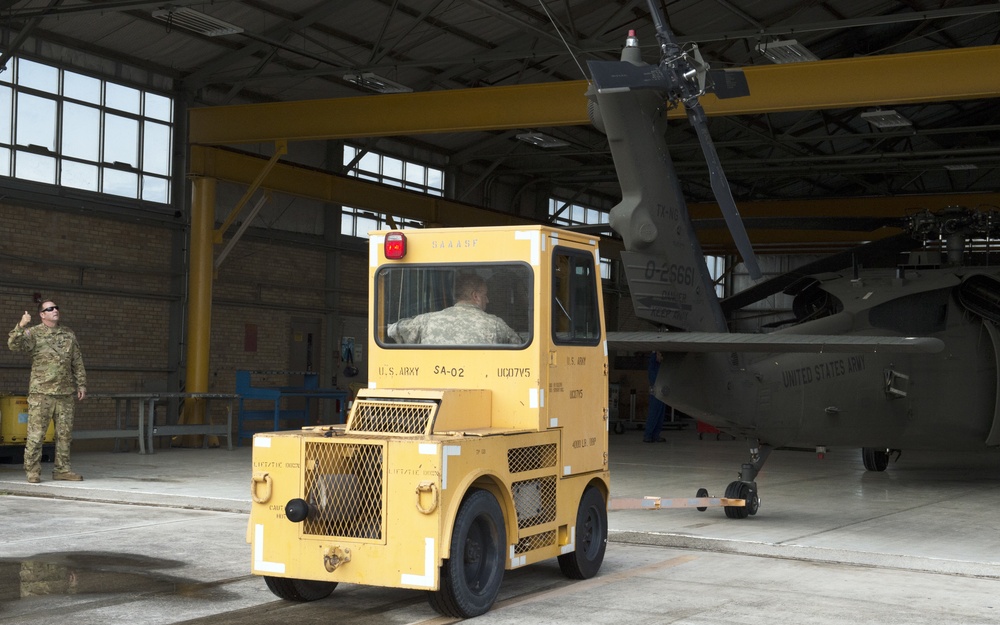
683, 76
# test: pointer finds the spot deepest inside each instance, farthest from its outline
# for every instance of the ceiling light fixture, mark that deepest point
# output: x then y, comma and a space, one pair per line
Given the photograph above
885, 119
786, 51
961, 166
542, 140
196, 21
376, 83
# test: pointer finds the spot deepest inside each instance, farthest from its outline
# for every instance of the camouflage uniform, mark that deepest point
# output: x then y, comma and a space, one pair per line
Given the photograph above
461, 324
56, 373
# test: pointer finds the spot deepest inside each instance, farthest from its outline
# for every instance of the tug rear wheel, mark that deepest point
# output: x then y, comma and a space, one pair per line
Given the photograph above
470, 578
291, 589
591, 537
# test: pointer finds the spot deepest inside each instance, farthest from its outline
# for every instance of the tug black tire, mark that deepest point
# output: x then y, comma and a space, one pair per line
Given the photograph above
470, 578
291, 589
591, 537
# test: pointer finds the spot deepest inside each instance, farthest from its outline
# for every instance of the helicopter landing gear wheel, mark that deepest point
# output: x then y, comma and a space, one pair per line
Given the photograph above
747, 492
875, 458
470, 578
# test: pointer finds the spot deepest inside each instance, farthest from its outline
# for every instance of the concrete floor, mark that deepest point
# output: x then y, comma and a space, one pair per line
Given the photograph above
159, 539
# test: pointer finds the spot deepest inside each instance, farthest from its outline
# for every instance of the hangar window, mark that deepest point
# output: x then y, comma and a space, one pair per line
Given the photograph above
391, 171
68, 129
564, 214
383, 169
356, 222
717, 270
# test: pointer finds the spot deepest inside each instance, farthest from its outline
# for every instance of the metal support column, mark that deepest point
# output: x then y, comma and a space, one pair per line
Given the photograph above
199, 300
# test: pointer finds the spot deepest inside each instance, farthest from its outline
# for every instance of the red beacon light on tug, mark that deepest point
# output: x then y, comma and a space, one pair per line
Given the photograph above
395, 245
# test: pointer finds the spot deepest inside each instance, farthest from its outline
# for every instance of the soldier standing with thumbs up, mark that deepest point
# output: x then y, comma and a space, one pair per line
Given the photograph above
57, 374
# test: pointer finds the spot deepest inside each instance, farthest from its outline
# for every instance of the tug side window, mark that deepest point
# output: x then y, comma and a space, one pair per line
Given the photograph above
575, 312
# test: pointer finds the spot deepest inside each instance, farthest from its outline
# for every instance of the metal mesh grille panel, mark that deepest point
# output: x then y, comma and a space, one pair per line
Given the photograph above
391, 417
535, 541
535, 501
520, 459
343, 484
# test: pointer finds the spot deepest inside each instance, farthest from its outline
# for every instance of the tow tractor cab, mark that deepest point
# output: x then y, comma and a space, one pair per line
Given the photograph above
459, 460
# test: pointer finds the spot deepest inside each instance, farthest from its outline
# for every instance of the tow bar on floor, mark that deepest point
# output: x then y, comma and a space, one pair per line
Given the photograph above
702, 502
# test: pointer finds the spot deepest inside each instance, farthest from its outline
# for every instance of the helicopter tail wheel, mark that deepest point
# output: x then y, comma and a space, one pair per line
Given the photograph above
875, 458
746, 492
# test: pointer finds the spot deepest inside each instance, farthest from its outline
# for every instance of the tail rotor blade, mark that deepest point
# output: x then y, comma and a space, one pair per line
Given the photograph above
728, 83
720, 187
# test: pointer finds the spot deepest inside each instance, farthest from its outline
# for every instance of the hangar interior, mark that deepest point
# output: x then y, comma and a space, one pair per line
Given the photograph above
193, 181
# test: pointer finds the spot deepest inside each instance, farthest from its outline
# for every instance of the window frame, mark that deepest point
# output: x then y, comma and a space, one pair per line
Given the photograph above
371, 166
89, 95
590, 217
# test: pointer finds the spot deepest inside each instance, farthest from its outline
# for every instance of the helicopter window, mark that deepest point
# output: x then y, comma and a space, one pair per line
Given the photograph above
454, 306
911, 315
812, 302
575, 310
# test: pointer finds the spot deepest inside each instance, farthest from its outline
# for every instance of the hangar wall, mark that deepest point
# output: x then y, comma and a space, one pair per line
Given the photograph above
113, 281
120, 285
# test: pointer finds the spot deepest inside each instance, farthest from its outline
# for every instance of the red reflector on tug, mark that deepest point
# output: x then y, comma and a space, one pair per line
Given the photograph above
395, 245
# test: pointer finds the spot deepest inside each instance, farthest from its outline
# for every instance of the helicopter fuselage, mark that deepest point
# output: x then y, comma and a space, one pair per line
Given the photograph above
946, 400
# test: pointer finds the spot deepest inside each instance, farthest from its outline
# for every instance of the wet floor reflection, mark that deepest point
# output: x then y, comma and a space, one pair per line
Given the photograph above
92, 573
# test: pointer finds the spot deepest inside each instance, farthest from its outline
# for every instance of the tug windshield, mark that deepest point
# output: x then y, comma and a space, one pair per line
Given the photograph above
481, 305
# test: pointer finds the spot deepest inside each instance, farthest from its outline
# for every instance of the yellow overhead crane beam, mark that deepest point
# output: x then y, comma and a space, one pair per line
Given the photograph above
314, 184
940, 75
241, 168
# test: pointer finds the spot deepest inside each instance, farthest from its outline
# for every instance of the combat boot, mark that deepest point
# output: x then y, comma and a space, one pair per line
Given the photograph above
69, 476
34, 479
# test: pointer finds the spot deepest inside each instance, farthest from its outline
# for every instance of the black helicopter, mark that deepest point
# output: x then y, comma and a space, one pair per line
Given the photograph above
873, 358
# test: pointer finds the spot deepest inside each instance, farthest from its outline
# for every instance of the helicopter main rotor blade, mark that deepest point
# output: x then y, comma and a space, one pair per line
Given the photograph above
888, 247
720, 187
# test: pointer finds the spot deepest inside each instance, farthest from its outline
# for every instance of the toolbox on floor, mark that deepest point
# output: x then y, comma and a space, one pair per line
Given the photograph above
14, 421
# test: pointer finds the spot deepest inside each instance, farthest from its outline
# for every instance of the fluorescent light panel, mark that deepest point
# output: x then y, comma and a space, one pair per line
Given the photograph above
196, 21
786, 51
885, 119
376, 83
542, 140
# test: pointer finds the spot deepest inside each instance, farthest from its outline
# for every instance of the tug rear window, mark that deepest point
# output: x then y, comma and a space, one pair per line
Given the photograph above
482, 305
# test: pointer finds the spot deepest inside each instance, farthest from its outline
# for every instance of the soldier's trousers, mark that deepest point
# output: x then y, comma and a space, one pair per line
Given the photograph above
41, 410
